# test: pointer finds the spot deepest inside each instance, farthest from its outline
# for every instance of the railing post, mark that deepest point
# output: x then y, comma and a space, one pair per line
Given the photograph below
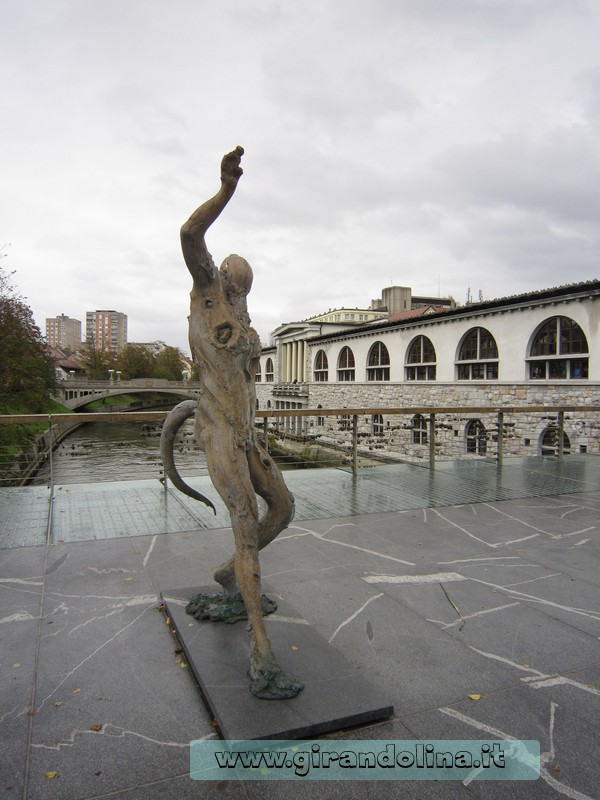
354, 444
561, 435
432, 441
51, 498
50, 463
266, 433
500, 437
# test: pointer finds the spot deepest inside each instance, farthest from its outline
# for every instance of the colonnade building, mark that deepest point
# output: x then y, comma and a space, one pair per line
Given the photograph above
536, 349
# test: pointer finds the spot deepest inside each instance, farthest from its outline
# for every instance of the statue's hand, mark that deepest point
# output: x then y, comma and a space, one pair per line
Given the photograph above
230, 166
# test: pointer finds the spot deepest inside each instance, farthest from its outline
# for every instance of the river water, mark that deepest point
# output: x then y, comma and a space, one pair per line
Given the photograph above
122, 451
119, 451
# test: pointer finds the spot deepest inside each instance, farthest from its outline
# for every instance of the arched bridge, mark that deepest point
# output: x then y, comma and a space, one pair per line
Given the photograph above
78, 392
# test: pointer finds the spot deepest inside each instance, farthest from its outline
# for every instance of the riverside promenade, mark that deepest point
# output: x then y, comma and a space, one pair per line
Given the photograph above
469, 595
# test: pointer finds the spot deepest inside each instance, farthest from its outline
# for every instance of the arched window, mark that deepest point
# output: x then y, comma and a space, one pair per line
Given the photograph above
321, 368
320, 420
377, 424
378, 363
549, 441
269, 371
476, 437
258, 376
477, 356
420, 360
559, 351
419, 429
346, 366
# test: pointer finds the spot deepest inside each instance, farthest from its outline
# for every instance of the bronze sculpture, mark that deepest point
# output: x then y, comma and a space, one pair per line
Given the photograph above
225, 349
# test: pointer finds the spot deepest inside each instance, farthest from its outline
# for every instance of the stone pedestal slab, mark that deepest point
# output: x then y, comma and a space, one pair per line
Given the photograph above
335, 695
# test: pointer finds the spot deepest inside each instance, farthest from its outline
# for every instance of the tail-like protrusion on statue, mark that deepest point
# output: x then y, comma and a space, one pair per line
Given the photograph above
175, 419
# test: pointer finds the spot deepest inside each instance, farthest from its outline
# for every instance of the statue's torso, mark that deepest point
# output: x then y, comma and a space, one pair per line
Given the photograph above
225, 350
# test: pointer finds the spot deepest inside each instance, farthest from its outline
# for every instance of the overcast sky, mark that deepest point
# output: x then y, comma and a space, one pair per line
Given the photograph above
436, 144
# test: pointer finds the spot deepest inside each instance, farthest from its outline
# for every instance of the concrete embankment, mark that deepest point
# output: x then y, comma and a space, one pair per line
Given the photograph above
24, 464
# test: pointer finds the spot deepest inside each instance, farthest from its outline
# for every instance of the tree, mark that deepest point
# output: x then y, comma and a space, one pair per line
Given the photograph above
136, 361
97, 362
168, 364
27, 377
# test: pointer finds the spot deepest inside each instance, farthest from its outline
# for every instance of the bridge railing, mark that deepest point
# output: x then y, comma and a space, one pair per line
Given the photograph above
80, 391
117, 383
17, 468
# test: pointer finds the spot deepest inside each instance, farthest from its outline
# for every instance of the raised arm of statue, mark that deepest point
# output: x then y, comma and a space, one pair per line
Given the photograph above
195, 252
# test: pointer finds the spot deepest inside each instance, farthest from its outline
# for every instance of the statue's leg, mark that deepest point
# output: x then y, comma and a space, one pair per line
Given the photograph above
231, 479
268, 482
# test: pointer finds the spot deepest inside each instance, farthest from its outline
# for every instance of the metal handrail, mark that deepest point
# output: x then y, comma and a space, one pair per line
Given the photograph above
142, 416
351, 414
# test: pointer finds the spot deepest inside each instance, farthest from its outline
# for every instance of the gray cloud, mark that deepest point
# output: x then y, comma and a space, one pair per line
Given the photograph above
558, 176
424, 142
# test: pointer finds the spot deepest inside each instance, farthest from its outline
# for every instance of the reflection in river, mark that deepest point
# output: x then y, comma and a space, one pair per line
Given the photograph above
108, 451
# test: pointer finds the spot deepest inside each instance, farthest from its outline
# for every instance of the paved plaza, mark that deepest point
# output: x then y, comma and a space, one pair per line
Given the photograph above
469, 596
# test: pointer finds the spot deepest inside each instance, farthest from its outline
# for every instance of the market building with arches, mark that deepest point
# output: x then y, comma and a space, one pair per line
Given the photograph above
530, 350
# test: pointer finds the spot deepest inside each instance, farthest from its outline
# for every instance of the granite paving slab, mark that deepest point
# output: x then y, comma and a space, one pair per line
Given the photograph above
568, 740
24, 515
21, 587
114, 709
113, 510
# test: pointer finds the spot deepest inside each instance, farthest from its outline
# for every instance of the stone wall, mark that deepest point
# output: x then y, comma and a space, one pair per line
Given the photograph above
394, 436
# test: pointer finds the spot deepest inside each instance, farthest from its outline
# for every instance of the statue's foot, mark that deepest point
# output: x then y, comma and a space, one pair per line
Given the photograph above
218, 607
225, 577
274, 684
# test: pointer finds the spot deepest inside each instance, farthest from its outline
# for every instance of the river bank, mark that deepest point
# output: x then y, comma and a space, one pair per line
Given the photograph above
24, 447
297, 453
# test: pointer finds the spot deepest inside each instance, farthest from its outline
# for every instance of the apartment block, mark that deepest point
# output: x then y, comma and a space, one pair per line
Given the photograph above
106, 330
63, 332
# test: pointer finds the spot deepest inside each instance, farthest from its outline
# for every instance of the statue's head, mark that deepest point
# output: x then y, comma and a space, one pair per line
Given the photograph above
236, 274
